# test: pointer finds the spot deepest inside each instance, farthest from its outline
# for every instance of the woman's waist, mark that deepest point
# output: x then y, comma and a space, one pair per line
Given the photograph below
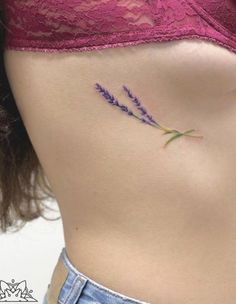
189, 194
157, 269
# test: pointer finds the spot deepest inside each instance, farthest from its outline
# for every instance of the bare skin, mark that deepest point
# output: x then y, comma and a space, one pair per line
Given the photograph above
154, 224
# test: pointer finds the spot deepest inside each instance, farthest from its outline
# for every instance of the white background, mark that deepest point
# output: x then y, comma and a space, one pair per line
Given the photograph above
31, 254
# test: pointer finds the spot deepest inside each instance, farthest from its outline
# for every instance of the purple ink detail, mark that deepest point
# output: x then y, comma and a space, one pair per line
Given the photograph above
112, 100
151, 119
124, 108
137, 103
143, 111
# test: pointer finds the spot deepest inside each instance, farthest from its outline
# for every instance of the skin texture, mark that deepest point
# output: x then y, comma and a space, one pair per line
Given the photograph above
155, 224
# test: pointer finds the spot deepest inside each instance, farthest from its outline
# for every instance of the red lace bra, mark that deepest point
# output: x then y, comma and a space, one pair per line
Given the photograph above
80, 25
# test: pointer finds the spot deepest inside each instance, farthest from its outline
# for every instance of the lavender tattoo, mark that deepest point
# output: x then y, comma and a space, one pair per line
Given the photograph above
145, 117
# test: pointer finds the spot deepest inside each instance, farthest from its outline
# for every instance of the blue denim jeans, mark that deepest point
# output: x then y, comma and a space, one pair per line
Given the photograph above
70, 286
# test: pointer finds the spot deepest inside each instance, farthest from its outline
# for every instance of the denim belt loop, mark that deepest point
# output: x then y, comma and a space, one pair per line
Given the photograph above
72, 289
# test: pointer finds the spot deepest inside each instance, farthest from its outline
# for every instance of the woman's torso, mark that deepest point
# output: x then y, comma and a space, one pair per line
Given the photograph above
152, 223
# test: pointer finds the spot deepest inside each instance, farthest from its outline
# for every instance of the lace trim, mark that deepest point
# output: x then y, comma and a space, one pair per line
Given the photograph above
212, 21
57, 46
79, 25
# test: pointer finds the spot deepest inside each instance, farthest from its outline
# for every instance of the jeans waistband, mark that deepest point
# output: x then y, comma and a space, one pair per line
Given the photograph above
77, 282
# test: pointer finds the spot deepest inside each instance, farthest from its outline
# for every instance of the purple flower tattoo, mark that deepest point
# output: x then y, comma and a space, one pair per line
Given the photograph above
145, 116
